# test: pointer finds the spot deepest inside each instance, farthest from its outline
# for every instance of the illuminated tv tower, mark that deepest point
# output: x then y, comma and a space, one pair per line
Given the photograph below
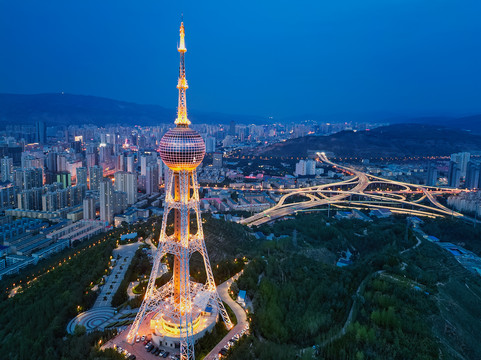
181, 310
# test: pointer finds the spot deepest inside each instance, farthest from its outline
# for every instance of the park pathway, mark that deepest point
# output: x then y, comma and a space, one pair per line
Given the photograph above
102, 311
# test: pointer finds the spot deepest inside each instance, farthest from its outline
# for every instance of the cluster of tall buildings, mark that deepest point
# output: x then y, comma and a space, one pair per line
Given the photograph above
463, 169
306, 167
98, 178
101, 172
92, 172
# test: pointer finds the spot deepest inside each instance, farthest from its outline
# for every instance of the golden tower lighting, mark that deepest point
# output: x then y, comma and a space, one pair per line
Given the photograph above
179, 309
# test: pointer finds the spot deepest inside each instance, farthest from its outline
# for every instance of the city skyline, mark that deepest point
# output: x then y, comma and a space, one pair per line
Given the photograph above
126, 234
397, 59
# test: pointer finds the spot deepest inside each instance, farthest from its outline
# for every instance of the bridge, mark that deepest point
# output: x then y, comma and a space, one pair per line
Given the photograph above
360, 191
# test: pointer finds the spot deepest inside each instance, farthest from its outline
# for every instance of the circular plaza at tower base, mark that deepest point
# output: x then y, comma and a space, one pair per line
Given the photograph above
166, 329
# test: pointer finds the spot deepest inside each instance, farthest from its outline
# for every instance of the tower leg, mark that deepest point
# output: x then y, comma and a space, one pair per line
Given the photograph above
187, 340
223, 312
210, 284
144, 308
217, 301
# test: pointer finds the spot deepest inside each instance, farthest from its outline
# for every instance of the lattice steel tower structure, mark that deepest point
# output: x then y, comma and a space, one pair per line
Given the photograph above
181, 308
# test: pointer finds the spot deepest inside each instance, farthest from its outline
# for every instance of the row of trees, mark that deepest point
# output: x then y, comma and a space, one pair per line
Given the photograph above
392, 323
34, 321
139, 266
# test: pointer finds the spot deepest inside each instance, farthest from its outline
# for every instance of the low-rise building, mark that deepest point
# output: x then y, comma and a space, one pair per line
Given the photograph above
79, 231
380, 213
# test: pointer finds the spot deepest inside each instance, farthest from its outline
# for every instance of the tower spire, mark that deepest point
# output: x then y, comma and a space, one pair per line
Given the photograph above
178, 311
182, 83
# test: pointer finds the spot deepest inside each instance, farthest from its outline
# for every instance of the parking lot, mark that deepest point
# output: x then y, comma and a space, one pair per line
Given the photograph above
144, 350
138, 349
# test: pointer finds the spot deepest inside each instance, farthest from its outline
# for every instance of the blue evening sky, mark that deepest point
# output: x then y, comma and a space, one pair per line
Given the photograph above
262, 57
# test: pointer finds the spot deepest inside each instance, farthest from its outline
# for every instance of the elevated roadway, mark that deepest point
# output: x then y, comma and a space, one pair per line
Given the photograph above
405, 199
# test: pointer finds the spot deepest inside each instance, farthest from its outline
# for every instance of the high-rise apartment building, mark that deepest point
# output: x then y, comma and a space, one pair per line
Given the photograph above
52, 161
106, 201
95, 176
127, 183
160, 168
30, 199
130, 163
91, 159
120, 166
8, 196
40, 132
82, 176
89, 210
232, 128
306, 167
472, 175
152, 179
32, 161
6, 169
144, 160
62, 162
454, 174
119, 202
65, 178
432, 175
461, 159
28, 178
210, 144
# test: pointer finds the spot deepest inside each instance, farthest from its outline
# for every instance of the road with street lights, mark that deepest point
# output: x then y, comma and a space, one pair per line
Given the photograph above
360, 191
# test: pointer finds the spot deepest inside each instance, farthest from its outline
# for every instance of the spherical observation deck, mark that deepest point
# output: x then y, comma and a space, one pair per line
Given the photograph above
182, 148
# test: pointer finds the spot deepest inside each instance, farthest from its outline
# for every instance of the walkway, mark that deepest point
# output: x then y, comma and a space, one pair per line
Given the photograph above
130, 289
91, 319
102, 311
112, 283
239, 312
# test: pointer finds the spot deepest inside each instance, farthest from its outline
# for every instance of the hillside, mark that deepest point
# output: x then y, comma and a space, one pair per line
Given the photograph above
68, 109
469, 123
393, 140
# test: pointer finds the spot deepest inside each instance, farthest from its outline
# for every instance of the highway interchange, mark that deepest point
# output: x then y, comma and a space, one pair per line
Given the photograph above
360, 191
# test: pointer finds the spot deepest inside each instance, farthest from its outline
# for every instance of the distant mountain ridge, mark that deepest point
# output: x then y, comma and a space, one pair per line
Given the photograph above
391, 141
470, 123
68, 109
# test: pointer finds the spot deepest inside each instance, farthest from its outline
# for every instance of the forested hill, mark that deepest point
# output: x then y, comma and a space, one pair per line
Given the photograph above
393, 140
68, 109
